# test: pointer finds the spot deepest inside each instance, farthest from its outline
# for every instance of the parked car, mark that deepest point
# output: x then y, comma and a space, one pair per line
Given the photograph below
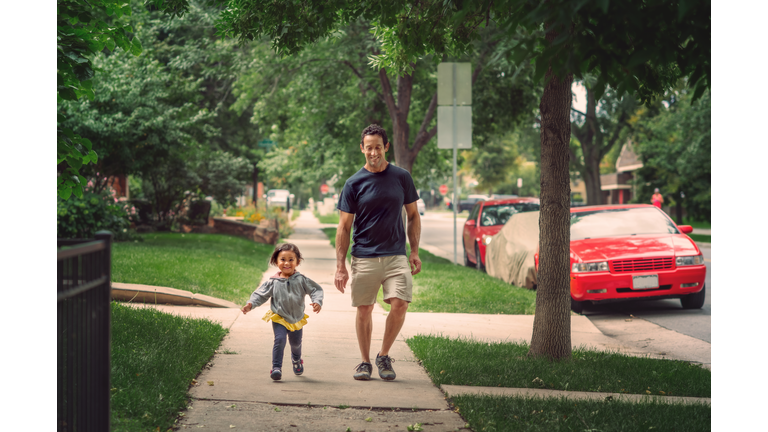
421, 206
632, 252
279, 198
468, 203
485, 220
496, 196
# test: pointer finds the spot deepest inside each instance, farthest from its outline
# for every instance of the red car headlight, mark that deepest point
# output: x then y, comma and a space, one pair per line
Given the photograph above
589, 267
486, 239
689, 260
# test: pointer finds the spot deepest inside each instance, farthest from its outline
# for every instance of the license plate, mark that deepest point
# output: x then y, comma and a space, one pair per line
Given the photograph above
645, 282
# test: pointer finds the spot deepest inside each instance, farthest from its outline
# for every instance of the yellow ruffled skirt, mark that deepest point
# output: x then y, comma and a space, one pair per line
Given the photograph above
271, 316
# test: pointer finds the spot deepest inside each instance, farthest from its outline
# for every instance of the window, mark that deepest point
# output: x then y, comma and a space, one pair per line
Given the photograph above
500, 214
620, 222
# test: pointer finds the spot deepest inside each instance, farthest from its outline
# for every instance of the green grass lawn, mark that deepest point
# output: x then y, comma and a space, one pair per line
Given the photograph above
444, 287
494, 364
155, 356
217, 265
700, 238
332, 218
498, 413
697, 224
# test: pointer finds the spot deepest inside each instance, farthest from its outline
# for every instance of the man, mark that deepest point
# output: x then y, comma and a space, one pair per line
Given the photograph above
374, 198
657, 200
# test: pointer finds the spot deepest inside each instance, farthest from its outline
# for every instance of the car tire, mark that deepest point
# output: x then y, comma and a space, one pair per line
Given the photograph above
467, 262
577, 306
479, 264
694, 301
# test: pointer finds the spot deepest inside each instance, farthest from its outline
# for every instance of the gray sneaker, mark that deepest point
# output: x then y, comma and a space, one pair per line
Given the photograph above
363, 371
385, 367
276, 374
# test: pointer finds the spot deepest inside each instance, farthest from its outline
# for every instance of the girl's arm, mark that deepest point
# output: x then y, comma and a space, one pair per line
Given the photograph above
262, 294
314, 290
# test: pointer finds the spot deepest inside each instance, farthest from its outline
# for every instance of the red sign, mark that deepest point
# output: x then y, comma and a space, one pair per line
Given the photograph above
443, 189
324, 188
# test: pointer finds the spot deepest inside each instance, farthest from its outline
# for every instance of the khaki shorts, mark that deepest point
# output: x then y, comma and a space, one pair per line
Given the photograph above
393, 273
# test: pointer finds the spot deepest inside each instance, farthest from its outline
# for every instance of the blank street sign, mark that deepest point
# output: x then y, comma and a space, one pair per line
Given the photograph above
445, 84
463, 127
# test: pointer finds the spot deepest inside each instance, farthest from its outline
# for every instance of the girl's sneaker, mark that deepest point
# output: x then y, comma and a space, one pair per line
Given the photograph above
276, 374
298, 366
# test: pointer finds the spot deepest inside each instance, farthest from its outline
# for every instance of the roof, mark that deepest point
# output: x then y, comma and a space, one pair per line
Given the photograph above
628, 160
510, 201
608, 207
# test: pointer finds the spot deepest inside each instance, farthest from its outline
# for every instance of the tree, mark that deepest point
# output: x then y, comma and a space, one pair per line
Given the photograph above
597, 131
638, 47
675, 144
83, 29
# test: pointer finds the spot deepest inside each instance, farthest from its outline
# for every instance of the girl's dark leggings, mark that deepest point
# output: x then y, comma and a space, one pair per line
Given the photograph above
280, 335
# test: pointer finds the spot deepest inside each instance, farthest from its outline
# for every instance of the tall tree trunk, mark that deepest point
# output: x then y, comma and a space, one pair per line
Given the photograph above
552, 322
591, 176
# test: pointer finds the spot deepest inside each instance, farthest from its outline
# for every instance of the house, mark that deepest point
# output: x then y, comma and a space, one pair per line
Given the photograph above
617, 187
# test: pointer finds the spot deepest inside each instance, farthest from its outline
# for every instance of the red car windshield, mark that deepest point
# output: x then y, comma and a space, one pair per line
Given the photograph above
500, 214
619, 222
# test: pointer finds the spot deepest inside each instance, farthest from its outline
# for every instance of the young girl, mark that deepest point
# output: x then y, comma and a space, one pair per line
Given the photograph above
287, 289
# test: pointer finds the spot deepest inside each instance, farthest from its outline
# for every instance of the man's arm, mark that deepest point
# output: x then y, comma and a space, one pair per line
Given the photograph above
342, 246
414, 235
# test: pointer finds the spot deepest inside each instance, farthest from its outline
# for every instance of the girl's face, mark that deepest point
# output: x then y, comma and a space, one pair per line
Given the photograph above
287, 262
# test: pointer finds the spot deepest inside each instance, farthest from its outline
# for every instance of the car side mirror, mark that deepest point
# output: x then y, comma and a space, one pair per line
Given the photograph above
685, 229
470, 222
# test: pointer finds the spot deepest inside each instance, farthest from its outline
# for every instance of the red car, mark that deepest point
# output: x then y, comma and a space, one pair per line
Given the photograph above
485, 220
625, 252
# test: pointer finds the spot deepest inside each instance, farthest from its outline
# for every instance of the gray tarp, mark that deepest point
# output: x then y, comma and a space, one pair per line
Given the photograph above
509, 257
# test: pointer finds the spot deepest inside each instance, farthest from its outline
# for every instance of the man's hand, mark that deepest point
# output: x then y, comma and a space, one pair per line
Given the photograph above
415, 263
315, 307
247, 308
342, 276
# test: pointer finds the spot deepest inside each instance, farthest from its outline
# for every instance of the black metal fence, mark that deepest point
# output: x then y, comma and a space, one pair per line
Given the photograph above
84, 333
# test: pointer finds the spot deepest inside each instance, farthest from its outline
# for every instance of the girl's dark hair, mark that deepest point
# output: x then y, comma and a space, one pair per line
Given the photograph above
282, 248
374, 129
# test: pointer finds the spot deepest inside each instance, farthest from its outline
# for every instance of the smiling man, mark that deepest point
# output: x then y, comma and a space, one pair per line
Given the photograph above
374, 198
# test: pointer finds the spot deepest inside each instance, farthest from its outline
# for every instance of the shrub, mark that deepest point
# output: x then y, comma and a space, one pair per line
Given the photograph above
95, 211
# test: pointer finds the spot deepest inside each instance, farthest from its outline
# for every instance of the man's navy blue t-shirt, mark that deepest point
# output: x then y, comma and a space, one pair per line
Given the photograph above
377, 200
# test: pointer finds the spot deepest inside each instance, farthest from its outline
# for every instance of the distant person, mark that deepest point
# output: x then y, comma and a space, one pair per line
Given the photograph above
657, 200
374, 198
287, 289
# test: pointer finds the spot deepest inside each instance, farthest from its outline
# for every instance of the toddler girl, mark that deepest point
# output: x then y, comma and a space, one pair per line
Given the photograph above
287, 289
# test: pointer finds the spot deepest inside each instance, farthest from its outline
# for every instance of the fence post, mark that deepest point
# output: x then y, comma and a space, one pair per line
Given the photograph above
104, 364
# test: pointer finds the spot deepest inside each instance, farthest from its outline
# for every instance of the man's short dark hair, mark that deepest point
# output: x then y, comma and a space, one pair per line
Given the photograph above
374, 129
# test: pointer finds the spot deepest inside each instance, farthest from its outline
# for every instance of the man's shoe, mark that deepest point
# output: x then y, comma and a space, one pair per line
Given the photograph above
298, 366
385, 367
276, 374
363, 371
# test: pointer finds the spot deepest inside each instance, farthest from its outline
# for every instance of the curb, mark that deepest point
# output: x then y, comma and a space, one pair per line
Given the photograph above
136, 293
454, 390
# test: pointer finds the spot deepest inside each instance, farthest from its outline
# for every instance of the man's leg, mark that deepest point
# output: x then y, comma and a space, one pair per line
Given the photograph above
364, 328
395, 320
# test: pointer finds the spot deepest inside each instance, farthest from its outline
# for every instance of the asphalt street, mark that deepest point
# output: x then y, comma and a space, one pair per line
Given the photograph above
436, 237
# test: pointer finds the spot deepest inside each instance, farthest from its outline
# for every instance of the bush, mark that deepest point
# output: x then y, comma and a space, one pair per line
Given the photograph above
95, 211
255, 215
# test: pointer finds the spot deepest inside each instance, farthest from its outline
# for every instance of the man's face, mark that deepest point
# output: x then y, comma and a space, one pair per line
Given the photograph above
374, 148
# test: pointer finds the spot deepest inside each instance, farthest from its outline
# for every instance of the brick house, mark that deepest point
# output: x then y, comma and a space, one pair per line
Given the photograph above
617, 187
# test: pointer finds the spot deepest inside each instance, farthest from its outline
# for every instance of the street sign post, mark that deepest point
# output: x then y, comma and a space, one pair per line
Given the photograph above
443, 189
324, 188
454, 119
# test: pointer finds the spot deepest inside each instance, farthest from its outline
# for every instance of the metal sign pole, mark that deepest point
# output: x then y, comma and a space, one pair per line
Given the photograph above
455, 182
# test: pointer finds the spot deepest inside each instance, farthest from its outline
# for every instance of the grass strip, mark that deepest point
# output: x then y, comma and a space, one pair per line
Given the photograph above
332, 218
155, 356
444, 287
505, 364
499, 413
217, 265
701, 238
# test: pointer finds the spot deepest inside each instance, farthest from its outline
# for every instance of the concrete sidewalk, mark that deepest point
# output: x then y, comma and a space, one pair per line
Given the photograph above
235, 390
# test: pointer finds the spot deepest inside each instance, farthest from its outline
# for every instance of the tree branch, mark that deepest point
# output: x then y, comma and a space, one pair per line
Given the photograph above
575, 110
359, 75
423, 137
388, 97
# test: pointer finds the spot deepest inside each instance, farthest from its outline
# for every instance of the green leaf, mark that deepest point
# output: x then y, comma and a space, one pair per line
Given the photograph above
603, 4
86, 142
65, 193
75, 163
111, 44
78, 190
94, 157
136, 47
67, 93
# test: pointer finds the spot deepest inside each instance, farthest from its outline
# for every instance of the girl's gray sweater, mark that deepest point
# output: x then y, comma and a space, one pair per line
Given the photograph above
287, 295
